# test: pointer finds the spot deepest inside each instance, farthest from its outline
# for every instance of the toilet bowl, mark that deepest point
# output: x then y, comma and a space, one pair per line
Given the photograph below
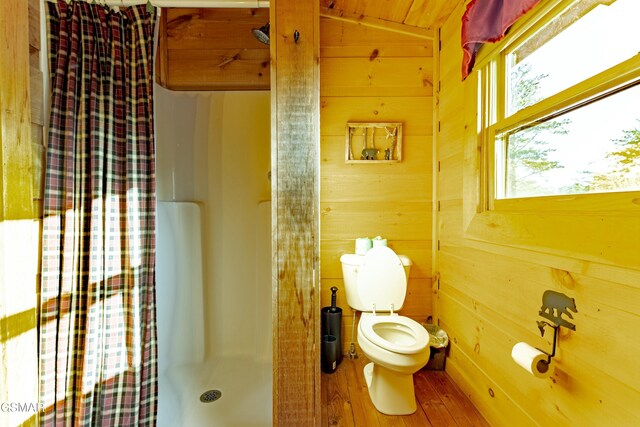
397, 346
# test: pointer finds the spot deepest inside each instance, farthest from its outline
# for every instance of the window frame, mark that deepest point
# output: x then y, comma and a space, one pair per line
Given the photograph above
493, 85
587, 228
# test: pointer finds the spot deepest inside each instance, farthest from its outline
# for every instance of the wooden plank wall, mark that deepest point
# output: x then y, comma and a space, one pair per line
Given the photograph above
36, 94
212, 49
372, 75
20, 177
490, 295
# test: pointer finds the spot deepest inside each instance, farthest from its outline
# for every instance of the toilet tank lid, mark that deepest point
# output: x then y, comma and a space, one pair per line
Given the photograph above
356, 260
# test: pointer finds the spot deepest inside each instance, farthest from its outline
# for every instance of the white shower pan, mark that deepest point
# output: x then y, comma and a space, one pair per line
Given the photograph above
185, 369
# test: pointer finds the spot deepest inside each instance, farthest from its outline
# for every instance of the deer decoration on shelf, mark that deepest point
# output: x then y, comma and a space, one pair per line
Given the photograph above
369, 153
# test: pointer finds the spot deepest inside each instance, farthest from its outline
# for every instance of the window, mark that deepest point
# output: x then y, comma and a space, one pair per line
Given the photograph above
564, 102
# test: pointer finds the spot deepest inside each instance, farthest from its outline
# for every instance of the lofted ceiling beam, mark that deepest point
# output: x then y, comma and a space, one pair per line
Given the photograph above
377, 23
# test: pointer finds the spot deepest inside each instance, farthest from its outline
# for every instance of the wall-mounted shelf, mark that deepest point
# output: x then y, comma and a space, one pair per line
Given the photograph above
373, 143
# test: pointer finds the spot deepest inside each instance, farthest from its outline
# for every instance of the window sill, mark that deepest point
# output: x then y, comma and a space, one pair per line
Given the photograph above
602, 228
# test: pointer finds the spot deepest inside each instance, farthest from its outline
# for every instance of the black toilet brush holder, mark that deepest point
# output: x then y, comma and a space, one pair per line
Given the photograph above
331, 325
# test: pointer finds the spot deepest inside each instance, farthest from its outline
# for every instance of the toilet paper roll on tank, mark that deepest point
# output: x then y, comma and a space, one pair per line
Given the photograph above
363, 244
531, 359
378, 241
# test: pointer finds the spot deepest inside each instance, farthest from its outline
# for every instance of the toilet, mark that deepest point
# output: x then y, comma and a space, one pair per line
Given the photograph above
397, 346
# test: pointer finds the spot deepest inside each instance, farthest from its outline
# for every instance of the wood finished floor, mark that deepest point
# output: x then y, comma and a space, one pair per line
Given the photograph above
346, 402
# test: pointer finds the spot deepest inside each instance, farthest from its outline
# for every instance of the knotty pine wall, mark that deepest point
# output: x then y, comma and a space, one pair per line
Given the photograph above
21, 152
371, 75
212, 49
36, 94
489, 297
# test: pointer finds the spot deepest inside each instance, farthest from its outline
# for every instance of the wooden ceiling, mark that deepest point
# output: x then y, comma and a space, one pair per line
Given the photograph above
425, 14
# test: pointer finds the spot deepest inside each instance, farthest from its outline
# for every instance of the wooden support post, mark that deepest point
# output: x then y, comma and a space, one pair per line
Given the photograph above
295, 159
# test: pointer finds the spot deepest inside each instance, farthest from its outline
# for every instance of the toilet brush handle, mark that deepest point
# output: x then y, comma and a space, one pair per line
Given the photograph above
333, 296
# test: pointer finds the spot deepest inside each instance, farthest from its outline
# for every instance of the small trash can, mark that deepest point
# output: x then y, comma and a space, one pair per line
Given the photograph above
438, 341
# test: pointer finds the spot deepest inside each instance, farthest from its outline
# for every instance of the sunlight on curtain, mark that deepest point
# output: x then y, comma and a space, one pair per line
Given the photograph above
135, 239
98, 351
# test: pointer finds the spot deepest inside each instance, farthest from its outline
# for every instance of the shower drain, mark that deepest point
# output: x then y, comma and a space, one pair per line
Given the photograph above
210, 396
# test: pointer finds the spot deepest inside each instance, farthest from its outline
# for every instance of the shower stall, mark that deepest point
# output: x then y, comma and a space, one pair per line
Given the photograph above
214, 258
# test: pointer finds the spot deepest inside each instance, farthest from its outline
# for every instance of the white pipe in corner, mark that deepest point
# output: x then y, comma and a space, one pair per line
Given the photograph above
240, 4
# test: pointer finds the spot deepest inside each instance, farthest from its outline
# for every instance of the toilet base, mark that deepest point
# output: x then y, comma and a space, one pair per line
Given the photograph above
392, 393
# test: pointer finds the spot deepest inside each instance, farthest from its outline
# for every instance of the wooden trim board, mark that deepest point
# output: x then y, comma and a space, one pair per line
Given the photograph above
376, 23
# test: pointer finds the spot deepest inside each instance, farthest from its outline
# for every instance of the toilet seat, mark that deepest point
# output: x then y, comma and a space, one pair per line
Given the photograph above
413, 337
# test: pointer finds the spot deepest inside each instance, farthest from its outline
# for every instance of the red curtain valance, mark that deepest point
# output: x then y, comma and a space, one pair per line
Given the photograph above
488, 21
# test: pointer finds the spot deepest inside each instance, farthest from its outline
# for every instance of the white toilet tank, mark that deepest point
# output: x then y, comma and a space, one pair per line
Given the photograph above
379, 277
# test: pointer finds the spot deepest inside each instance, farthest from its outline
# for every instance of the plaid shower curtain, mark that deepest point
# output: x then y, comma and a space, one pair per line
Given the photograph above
98, 351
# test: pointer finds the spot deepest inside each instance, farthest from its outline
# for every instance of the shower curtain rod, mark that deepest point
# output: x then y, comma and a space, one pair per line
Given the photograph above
240, 4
